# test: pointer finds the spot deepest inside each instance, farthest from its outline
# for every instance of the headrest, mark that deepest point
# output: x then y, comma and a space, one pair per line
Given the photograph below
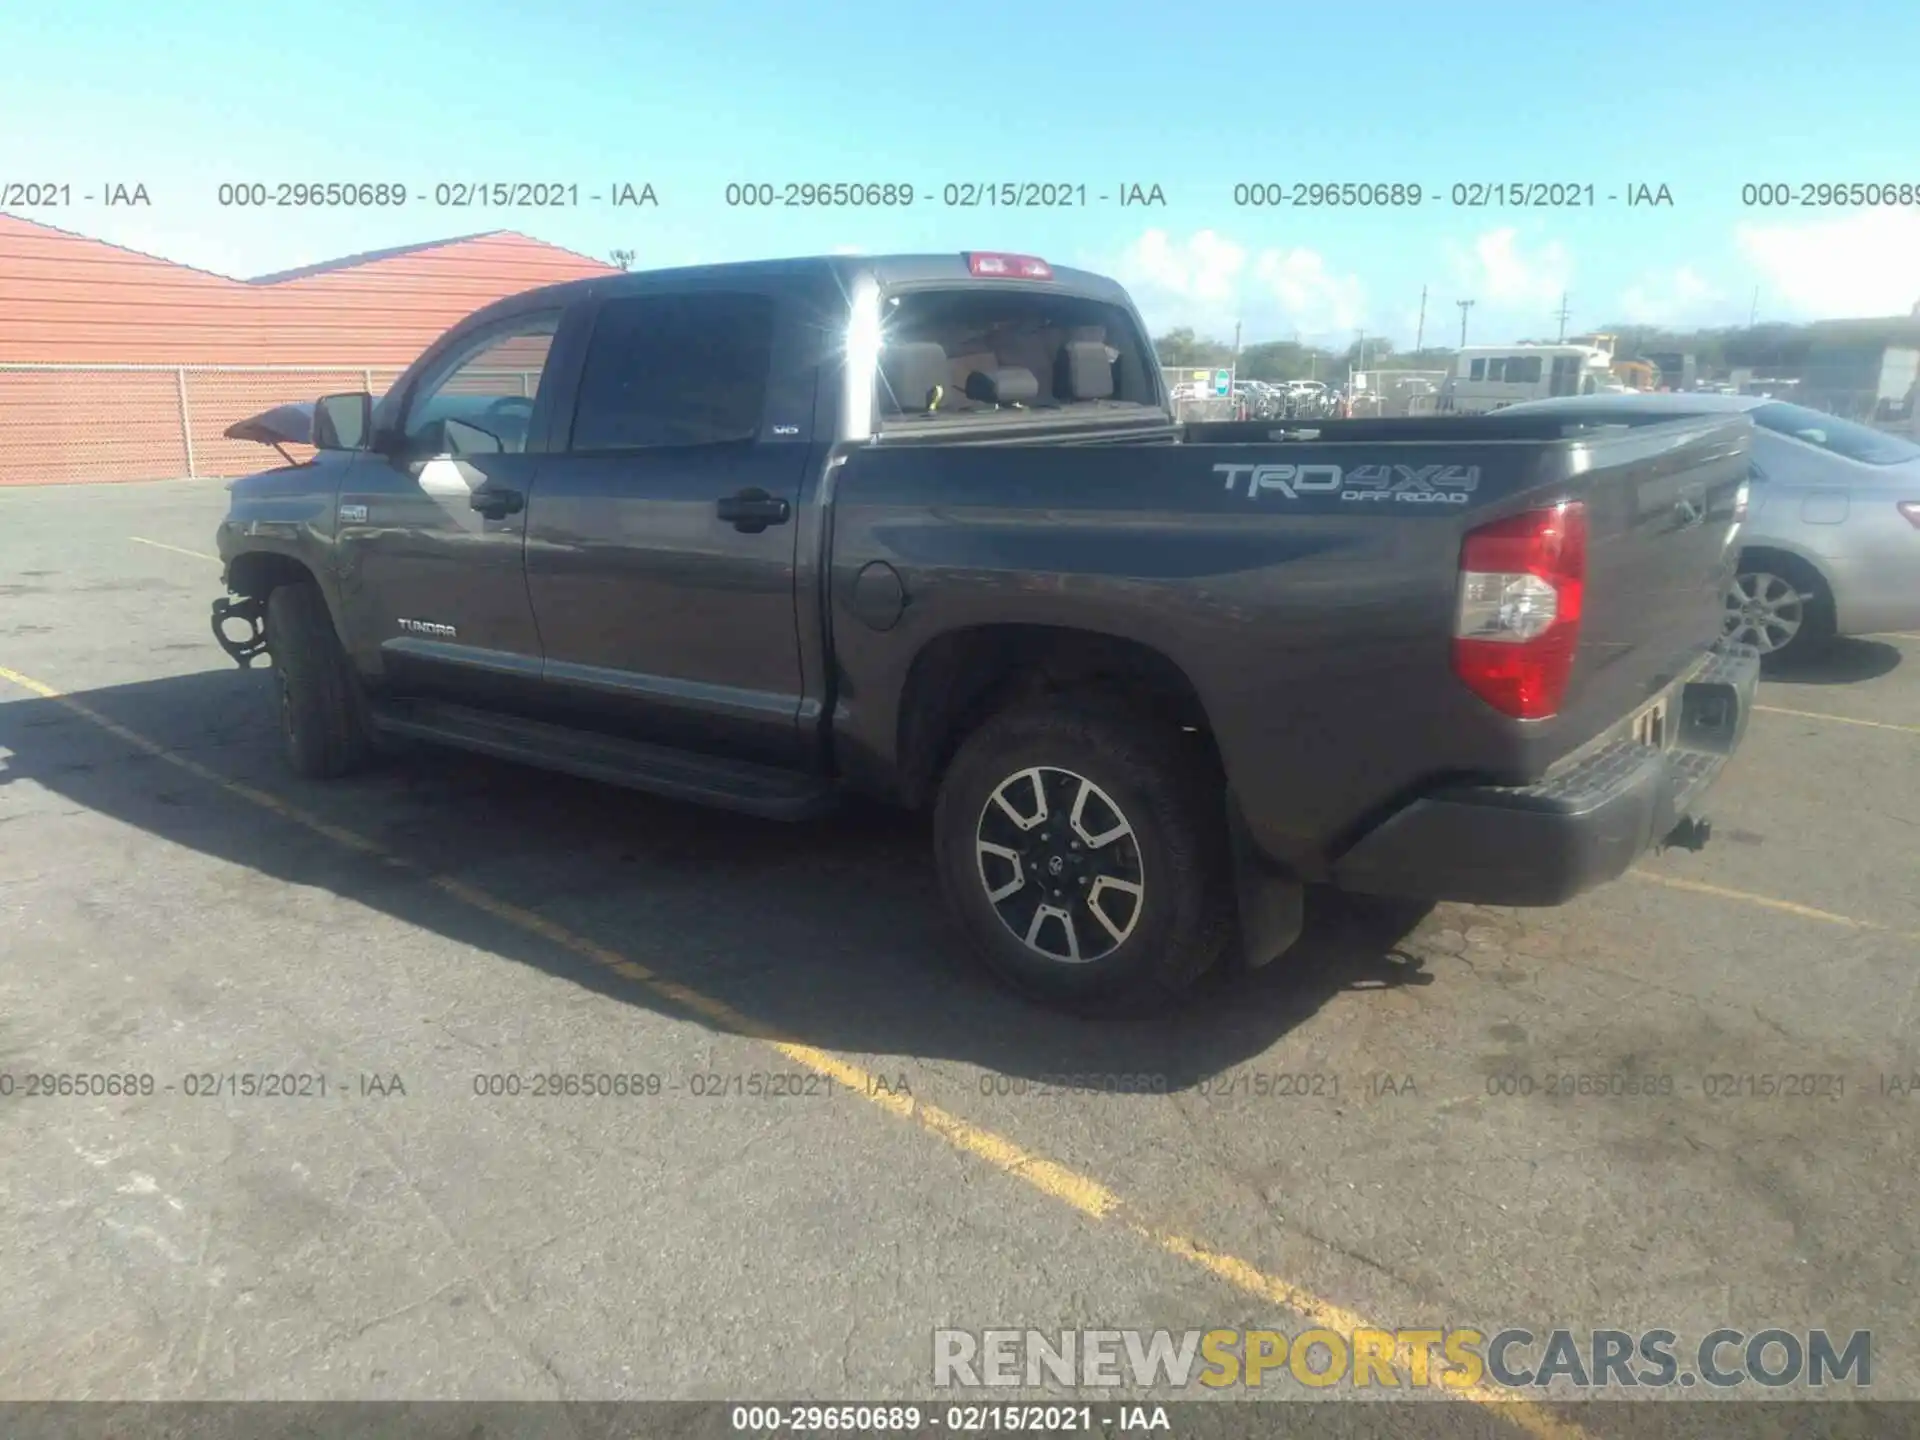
1002, 387
1085, 371
913, 371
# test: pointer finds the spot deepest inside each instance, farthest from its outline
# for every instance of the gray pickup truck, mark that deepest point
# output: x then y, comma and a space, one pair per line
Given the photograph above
924, 528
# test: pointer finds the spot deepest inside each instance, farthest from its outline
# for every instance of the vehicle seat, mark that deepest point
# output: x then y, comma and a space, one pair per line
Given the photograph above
1083, 371
1010, 385
915, 374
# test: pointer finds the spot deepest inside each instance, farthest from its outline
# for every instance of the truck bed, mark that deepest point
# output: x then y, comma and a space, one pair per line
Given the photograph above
1307, 600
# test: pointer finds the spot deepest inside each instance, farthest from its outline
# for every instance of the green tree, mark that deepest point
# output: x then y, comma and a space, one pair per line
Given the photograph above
1278, 360
1180, 348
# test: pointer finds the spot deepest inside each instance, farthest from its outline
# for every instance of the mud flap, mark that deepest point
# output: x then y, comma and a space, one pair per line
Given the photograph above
1272, 904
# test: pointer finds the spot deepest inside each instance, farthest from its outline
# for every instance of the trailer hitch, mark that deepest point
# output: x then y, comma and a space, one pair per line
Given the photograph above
254, 613
1692, 833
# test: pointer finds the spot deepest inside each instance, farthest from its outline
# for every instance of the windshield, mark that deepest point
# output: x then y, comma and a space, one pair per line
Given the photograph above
1830, 433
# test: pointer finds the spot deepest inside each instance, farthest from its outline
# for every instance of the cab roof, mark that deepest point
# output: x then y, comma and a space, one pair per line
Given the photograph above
891, 271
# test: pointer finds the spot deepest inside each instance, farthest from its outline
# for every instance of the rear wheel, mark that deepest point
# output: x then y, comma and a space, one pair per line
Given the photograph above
1082, 850
323, 723
1779, 605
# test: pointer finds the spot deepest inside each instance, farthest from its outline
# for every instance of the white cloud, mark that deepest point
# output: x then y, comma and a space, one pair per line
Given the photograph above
1676, 298
1497, 272
1867, 263
1308, 291
1210, 282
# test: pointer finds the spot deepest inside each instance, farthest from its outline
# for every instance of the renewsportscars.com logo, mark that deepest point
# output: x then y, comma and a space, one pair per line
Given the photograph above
1390, 484
1450, 1360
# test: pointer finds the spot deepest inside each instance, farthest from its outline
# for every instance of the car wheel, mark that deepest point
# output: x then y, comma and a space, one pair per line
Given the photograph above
1082, 849
1780, 606
323, 723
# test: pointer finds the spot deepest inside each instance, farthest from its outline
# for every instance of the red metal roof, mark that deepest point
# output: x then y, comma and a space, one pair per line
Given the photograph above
69, 299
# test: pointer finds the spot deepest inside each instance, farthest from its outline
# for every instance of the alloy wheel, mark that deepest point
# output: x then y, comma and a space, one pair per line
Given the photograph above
1765, 611
1061, 865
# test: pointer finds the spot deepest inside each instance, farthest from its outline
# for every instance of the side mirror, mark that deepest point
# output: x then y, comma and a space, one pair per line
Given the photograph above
343, 422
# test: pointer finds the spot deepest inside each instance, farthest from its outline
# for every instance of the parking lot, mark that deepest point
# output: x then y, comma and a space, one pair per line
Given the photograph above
1370, 1132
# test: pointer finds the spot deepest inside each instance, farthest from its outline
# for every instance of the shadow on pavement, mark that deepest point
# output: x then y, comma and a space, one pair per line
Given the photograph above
1846, 662
831, 933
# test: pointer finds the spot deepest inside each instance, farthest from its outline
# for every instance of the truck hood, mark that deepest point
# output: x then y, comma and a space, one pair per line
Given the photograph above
282, 425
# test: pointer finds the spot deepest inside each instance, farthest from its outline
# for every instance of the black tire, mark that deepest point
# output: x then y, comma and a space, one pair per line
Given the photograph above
323, 722
1150, 775
1816, 625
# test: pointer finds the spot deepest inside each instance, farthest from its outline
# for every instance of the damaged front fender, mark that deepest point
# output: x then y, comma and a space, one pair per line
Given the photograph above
253, 613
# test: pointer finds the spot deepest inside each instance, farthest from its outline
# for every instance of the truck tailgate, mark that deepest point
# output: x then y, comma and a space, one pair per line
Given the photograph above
1661, 505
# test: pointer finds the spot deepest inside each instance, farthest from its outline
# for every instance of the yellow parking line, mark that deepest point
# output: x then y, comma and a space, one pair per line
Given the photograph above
1838, 719
1058, 1182
1748, 897
178, 550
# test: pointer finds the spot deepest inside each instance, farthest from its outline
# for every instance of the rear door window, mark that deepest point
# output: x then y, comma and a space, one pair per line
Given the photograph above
674, 370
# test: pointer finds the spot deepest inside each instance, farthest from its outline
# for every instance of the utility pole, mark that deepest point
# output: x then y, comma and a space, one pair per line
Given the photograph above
1420, 333
1563, 318
1753, 314
1235, 364
1465, 305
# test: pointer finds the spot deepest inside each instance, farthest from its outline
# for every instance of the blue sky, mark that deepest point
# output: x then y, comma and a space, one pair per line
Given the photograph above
1700, 96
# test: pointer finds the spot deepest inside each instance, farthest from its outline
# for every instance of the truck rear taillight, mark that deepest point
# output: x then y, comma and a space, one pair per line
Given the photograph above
1008, 267
1517, 622
1911, 509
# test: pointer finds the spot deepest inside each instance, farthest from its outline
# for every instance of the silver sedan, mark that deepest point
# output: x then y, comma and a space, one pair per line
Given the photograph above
1832, 540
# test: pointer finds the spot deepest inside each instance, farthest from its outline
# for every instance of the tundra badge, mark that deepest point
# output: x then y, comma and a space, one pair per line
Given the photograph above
428, 627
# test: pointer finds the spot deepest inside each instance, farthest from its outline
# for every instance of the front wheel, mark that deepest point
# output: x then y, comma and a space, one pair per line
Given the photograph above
323, 722
1083, 852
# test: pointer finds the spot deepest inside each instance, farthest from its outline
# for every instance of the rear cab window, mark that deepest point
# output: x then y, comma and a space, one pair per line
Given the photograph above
983, 356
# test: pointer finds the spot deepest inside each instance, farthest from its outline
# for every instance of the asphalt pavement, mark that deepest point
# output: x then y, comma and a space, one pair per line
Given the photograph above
1685, 1101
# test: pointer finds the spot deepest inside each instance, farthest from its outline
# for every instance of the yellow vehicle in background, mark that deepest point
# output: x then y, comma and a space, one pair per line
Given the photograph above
1637, 374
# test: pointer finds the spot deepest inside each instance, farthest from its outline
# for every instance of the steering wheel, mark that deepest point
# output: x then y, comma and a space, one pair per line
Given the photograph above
506, 402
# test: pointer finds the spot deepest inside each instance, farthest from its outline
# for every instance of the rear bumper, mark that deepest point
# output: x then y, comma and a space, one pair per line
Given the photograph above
1543, 844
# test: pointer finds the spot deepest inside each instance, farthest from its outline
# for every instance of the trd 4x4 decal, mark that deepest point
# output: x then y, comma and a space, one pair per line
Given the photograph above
1391, 484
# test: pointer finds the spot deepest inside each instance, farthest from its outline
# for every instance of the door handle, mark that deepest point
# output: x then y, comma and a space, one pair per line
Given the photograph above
752, 511
497, 504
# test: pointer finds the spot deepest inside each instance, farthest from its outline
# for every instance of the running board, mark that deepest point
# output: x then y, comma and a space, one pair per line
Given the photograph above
763, 790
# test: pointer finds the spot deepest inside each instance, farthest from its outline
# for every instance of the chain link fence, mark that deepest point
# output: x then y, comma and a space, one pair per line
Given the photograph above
1395, 393
1191, 392
79, 424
